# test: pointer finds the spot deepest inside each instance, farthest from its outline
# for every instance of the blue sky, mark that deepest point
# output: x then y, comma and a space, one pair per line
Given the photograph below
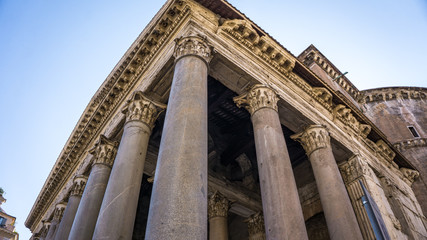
55, 54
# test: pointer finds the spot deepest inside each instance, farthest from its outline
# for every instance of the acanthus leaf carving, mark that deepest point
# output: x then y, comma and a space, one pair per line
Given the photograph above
104, 151
344, 114
259, 96
218, 205
59, 211
140, 108
312, 138
79, 185
256, 227
354, 169
323, 94
193, 45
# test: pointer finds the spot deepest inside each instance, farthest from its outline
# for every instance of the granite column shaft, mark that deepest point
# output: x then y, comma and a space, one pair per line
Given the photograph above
178, 208
339, 214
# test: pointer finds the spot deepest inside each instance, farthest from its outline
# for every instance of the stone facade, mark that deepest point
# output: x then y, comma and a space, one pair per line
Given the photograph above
209, 127
7, 223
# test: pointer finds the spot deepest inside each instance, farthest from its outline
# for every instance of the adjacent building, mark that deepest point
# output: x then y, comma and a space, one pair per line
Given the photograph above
7, 223
209, 128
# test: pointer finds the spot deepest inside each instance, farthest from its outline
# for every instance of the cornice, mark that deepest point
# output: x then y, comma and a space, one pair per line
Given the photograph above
107, 100
393, 93
411, 143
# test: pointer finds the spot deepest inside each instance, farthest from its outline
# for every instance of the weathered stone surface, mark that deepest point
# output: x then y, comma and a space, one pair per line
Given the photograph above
178, 208
339, 214
218, 207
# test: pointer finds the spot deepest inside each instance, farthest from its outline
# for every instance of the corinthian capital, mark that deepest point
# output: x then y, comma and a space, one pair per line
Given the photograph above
313, 138
256, 226
79, 184
259, 96
104, 151
410, 175
193, 46
59, 211
218, 206
140, 108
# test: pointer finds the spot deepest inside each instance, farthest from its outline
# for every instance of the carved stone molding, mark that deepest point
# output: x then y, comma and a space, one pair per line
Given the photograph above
393, 93
263, 46
256, 227
193, 46
354, 168
218, 205
344, 114
410, 175
313, 138
59, 211
411, 143
140, 108
104, 151
78, 185
323, 94
259, 96
106, 101
385, 150
45, 229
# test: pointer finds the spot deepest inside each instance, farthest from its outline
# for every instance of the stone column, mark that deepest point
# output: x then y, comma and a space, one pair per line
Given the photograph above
178, 208
282, 209
218, 207
57, 216
77, 189
256, 228
339, 214
84, 223
45, 229
117, 214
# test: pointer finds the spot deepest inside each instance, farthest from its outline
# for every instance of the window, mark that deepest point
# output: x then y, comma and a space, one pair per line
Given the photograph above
413, 131
2, 222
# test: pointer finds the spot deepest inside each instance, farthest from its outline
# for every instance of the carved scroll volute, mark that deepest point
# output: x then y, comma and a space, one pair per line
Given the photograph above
104, 151
140, 108
194, 46
259, 96
59, 211
218, 206
79, 185
313, 138
354, 169
256, 227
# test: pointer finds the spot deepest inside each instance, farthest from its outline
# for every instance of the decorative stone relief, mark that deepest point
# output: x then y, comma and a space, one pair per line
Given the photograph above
259, 96
411, 143
193, 45
410, 175
45, 229
140, 108
354, 168
256, 227
262, 46
105, 102
59, 211
323, 94
385, 150
393, 93
344, 114
78, 185
218, 205
313, 138
104, 151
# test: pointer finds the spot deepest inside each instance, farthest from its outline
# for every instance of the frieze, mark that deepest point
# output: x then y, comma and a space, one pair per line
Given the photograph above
79, 185
394, 93
344, 114
218, 205
140, 108
409, 175
105, 102
312, 138
259, 96
411, 143
104, 151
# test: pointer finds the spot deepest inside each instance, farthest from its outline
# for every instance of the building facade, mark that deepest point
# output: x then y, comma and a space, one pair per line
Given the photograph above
7, 223
209, 128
